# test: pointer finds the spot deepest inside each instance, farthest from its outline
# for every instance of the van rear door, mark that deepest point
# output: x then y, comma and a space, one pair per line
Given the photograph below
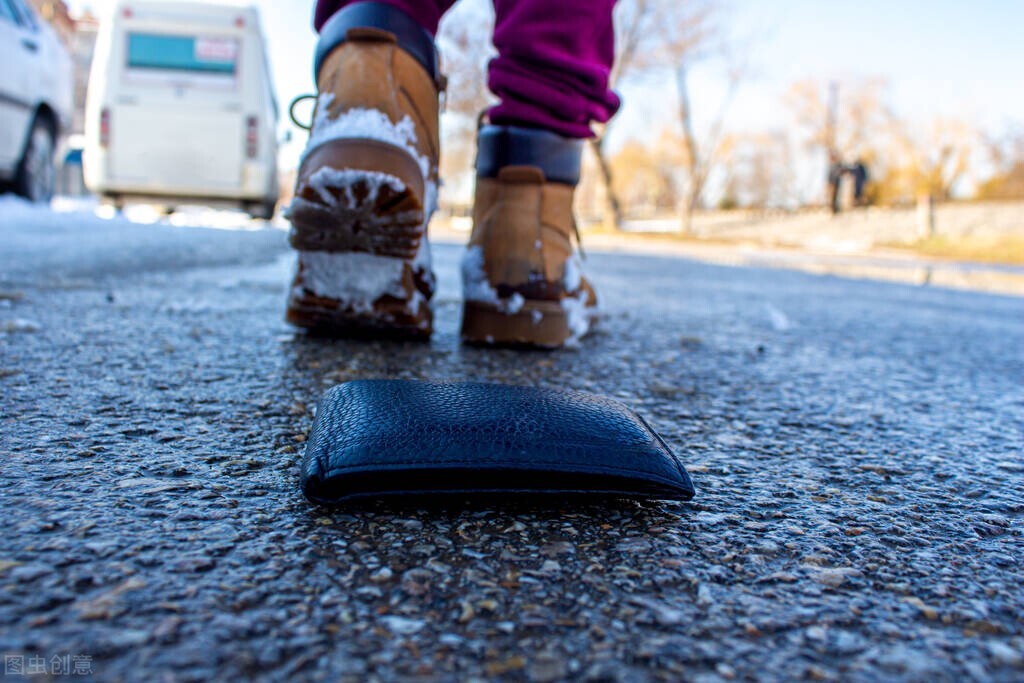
176, 122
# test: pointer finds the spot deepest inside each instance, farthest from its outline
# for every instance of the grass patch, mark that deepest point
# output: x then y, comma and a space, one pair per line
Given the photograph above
1003, 249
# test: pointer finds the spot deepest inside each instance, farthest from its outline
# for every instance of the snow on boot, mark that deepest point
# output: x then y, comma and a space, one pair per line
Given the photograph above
367, 181
523, 283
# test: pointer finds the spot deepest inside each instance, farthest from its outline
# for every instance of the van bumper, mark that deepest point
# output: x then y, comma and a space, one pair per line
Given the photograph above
257, 186
257, 182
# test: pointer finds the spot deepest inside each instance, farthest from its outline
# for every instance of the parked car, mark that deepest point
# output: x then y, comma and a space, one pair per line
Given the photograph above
35, 100
181, 108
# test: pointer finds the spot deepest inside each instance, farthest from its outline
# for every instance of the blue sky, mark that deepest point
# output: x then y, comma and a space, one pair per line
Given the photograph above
952, 58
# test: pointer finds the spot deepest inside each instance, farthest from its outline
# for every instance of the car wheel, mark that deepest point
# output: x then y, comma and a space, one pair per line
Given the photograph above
36, 172
263, 211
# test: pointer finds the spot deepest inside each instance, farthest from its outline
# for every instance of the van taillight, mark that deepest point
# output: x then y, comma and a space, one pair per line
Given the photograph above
105, 128
251, 137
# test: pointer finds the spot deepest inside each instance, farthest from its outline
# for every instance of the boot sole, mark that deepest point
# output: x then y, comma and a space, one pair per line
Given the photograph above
360, 212
538, 325
328, 318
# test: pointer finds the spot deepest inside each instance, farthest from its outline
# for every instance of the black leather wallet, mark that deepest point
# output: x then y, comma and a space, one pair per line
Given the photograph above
375, 438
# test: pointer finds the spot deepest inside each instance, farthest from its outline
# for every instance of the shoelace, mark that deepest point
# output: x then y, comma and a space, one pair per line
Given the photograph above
291, 111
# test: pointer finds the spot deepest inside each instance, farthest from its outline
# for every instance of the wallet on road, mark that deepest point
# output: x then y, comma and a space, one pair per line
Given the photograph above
379, 438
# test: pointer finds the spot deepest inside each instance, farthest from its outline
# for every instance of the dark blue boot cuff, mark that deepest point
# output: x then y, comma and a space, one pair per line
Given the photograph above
411, 37
500, 146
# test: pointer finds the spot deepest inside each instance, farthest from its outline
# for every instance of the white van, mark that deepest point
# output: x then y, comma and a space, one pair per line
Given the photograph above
181, 108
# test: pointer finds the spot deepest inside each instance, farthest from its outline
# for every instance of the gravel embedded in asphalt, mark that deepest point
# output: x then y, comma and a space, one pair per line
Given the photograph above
856, 449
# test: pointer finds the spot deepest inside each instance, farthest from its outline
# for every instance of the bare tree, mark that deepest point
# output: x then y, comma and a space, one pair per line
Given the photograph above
641, 181
849, 118
760, 169
930, 161
701, 155
465, 52
654, 38
851, 124
651, 37
908, 160
1006, 153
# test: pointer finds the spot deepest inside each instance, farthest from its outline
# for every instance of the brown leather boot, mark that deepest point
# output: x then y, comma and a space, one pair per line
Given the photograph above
367, 182
522, 280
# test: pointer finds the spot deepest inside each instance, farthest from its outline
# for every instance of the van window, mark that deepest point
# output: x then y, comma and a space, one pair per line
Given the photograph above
214, 56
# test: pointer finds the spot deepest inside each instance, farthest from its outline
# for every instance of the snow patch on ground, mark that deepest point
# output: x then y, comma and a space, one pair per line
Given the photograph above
40, 244
370, 124
354, 279
19, 325
779, 320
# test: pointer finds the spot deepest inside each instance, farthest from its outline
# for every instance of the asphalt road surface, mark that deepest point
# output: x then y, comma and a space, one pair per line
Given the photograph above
856, 448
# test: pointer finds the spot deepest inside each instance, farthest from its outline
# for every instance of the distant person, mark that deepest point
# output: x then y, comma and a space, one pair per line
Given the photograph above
835, 177
859, 172
367, 181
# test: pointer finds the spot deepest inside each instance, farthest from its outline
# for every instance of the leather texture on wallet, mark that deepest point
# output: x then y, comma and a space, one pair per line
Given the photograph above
374, 438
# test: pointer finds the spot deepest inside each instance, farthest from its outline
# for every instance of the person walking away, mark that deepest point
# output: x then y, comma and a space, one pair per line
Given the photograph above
859, 172
835, 177
367, 180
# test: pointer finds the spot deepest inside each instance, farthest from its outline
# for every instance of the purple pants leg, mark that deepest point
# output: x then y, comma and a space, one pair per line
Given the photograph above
553, 62
427, 13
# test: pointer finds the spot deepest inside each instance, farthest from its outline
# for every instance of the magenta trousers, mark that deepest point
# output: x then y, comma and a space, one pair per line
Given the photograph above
554, 58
